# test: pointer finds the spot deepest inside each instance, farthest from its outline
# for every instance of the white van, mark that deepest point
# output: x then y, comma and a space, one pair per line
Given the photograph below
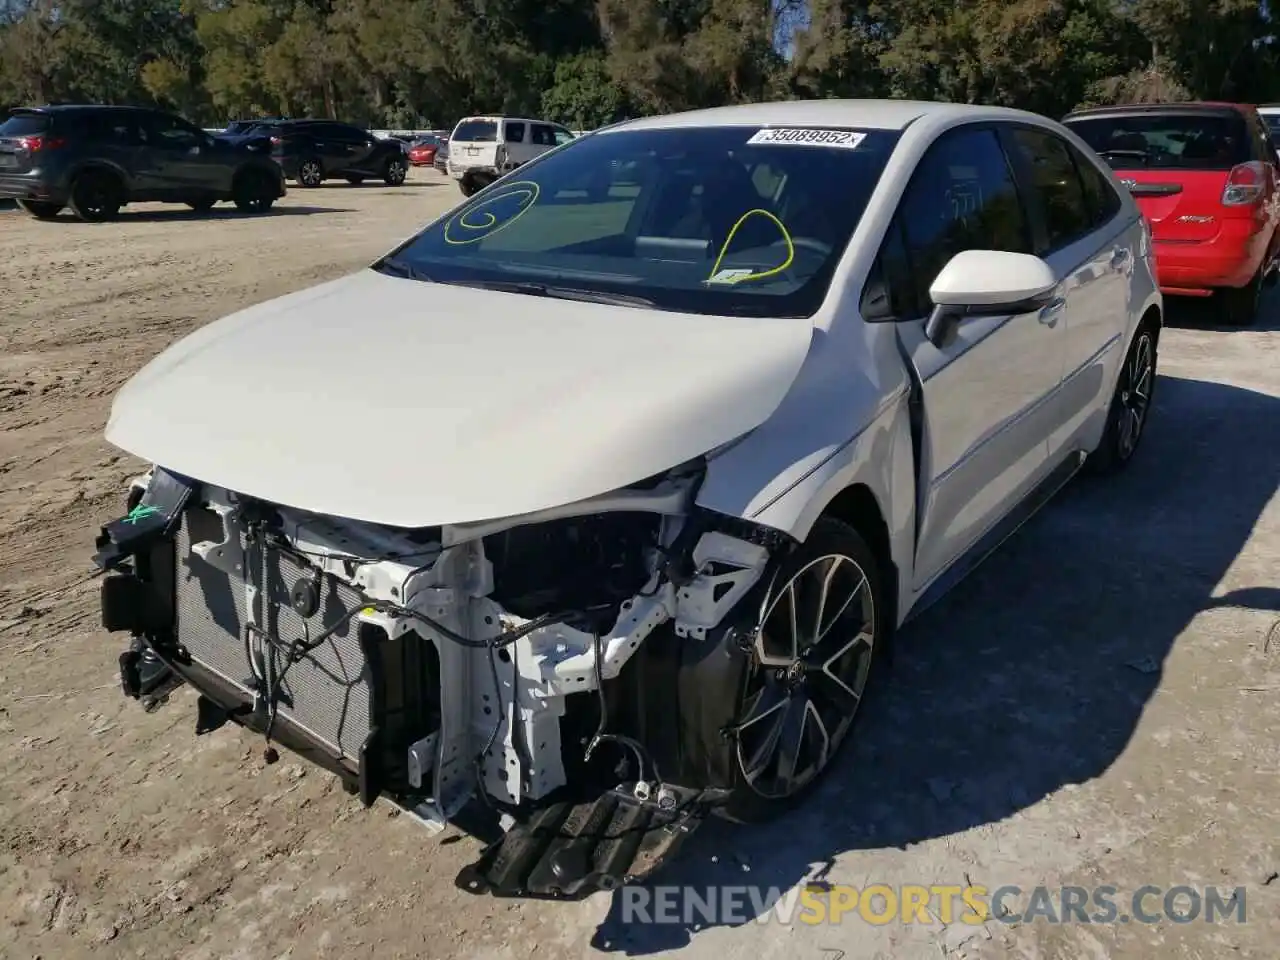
481, 149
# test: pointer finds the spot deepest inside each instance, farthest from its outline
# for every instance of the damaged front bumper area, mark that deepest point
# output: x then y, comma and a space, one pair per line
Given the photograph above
575, 671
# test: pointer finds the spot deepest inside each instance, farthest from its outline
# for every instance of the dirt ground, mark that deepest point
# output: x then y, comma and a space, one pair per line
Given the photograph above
1097, 705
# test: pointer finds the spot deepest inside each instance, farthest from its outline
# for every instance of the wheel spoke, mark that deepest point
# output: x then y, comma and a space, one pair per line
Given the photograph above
791, 735
765, 737
832, 681
793, 611
769, 701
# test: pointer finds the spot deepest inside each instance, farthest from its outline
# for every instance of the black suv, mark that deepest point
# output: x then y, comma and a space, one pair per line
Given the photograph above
95, 159
312, 151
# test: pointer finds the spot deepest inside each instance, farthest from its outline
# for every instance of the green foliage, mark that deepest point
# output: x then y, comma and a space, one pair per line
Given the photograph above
411, 63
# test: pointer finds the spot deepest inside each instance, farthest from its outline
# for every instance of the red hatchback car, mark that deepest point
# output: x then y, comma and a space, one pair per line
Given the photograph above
422, 153
1205, 176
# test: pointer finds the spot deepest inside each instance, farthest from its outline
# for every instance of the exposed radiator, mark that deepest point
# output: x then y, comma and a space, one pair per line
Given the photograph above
328, 691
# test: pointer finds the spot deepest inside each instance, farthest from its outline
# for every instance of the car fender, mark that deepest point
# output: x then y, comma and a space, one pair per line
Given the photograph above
844, 423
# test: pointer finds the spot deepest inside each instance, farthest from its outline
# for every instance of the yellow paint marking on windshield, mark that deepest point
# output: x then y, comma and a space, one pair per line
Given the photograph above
740, 278
525, 189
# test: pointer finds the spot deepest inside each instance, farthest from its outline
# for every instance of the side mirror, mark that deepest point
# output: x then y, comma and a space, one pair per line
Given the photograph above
987, 283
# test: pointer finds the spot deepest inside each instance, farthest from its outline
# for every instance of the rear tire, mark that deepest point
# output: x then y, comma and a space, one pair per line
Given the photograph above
96, 196
1240, 305
40, 209
255, 192
1130, 406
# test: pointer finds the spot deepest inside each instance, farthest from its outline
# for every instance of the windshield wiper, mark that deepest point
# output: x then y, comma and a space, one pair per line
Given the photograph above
560, 293
393, 267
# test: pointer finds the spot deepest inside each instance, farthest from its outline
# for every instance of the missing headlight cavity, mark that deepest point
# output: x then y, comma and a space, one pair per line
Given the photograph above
590, 563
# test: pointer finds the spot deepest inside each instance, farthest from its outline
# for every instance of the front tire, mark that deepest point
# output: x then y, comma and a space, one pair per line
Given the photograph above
395, 173
1130, 406
310, 173
255, 192
40, 209
820, 633
96, 196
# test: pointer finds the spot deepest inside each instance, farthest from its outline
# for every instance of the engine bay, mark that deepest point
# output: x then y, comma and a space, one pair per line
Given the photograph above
527, 663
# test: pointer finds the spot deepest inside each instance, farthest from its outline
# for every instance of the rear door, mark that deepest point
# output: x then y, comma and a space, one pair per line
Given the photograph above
1175, 162
1080, 230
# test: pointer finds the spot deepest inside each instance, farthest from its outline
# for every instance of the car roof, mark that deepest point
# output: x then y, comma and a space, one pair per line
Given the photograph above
872, 114
1208, 107
76, 107
502, 116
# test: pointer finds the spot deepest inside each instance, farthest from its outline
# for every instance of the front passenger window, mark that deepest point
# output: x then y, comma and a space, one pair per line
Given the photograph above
1053, 176
961, 197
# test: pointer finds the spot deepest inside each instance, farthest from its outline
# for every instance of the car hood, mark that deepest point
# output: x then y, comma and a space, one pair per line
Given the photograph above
413, 404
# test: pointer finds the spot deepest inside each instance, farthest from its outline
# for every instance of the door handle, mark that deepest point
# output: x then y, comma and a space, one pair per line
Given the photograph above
1050, 312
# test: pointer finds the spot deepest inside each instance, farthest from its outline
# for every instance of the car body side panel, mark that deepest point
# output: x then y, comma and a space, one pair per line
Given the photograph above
844, 422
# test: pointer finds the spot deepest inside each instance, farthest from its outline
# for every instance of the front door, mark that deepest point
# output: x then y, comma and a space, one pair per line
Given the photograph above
986, 393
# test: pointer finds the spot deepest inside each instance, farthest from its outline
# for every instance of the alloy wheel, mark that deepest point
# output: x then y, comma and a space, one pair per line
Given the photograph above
396, 172
310, 174
1135, 394
813, 654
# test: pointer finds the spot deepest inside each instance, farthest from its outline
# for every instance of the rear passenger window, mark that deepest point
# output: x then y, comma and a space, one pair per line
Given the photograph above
514, 132
961, 197
543, 135
1056, 186
1099, 194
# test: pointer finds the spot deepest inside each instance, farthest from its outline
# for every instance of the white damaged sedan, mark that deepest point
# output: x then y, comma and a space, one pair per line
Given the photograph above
600, 499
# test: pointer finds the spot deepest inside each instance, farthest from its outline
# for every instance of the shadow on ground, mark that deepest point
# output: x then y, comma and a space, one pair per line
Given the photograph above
378, 184
1194, 313
1034, 673
179, 213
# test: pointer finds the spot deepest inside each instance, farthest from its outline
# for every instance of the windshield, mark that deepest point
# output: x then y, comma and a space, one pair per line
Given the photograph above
718, 220
476, 131
1272, 121
1167, 141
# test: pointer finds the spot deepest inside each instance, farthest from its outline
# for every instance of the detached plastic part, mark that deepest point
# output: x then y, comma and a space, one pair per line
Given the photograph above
571, 850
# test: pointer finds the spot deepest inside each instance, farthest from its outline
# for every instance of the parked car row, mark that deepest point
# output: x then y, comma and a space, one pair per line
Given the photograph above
1206, 176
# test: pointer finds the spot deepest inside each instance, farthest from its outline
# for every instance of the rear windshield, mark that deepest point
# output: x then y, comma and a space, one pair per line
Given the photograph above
24, 125
719, 220
476, 131
1167, 141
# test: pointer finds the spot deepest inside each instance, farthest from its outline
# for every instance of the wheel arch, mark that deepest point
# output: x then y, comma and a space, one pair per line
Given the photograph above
858, 506
98, 165
870, 480
250, 168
